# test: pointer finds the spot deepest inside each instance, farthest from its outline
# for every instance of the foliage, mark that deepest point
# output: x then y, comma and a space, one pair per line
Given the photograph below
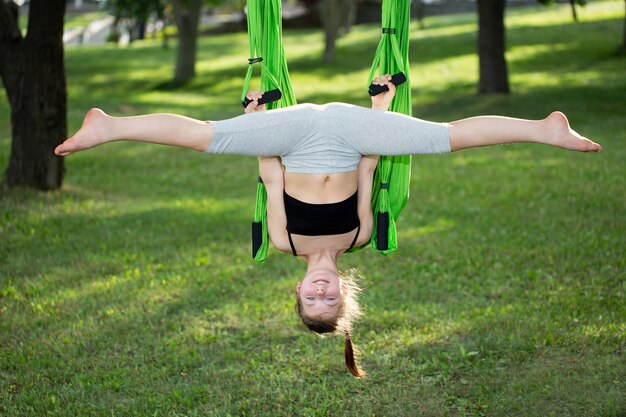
550, 2
142, 9
132, 292
138, 9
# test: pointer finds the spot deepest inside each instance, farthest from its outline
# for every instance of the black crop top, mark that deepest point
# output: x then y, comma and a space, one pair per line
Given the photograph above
321, 219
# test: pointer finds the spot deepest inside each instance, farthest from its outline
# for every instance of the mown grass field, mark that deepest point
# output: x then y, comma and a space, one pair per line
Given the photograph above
131, 292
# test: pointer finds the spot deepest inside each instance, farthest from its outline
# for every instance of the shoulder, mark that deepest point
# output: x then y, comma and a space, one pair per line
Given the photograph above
368, 165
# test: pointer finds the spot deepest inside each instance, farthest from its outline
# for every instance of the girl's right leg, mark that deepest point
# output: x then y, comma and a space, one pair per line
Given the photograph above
495, 130
162, 128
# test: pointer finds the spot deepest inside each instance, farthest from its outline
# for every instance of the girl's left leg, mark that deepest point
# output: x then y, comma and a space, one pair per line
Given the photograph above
494, 130
164, 129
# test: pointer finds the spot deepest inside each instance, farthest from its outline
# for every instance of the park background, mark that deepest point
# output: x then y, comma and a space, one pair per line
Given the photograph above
131, 291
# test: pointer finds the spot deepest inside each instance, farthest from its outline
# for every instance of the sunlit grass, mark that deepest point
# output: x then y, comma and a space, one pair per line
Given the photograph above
131, 291
73, 20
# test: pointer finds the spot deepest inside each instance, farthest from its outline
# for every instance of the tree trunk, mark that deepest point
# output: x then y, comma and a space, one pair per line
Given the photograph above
574, 14
494, 76
419, 11
348, 14
33, 74
624, 44
335, 15
187, 18
331, 19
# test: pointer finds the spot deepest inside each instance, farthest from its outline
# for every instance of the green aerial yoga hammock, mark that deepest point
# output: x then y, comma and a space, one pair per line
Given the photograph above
390, 191
266, 48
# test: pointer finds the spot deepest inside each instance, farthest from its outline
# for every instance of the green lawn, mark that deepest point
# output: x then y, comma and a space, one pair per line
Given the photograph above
131, 292
71, 21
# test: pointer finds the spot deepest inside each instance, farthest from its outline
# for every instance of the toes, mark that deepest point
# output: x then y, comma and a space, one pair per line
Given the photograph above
590, 146
60, 152
62, 149
596, 147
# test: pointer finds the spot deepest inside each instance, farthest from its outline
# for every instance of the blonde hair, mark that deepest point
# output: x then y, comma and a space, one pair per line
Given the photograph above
348, 313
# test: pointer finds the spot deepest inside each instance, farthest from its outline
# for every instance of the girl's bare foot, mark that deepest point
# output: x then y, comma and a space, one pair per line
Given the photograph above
89, 135
563, 136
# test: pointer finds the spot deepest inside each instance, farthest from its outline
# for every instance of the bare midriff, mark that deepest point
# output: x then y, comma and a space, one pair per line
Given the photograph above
321, 188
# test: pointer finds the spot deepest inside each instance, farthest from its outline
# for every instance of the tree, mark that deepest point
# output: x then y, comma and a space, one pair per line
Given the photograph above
494, 77
137, 11
334, 14
572, 3
33, 74
187, 15
574, 14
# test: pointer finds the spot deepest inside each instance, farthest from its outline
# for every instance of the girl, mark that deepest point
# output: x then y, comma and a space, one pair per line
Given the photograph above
318, 206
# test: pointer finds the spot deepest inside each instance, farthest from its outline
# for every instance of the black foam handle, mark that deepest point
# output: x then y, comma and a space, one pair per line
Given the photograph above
267, 97
257, 237
396, 79
382, 230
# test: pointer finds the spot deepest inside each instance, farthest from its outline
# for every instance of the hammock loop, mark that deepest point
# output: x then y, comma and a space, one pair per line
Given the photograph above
392, 174
265, 40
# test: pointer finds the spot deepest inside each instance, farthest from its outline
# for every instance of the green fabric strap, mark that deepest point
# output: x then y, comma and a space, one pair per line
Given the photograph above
392, 56
265, 41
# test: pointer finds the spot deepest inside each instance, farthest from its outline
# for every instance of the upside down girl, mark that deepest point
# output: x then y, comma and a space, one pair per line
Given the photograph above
317, 163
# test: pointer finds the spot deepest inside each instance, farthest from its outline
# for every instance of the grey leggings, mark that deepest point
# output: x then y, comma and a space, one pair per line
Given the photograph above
329, 138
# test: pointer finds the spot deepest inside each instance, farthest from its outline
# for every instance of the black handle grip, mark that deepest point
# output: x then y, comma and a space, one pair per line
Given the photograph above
396, 79
382, 230
267, 97
257, 237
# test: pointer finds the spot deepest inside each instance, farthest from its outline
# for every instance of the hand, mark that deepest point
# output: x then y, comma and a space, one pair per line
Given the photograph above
254, 106
383, 101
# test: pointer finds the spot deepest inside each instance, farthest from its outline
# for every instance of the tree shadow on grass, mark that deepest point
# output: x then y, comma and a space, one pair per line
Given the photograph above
94, 243
579, 101
215, 341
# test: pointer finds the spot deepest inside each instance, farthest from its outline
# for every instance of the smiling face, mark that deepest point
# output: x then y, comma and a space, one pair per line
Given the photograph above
320, 294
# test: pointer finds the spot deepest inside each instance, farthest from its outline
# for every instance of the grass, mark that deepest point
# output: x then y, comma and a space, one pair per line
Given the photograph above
131, 292
71, 21
75, 20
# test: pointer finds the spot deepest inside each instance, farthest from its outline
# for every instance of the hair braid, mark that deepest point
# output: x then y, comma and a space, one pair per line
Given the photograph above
348, 352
